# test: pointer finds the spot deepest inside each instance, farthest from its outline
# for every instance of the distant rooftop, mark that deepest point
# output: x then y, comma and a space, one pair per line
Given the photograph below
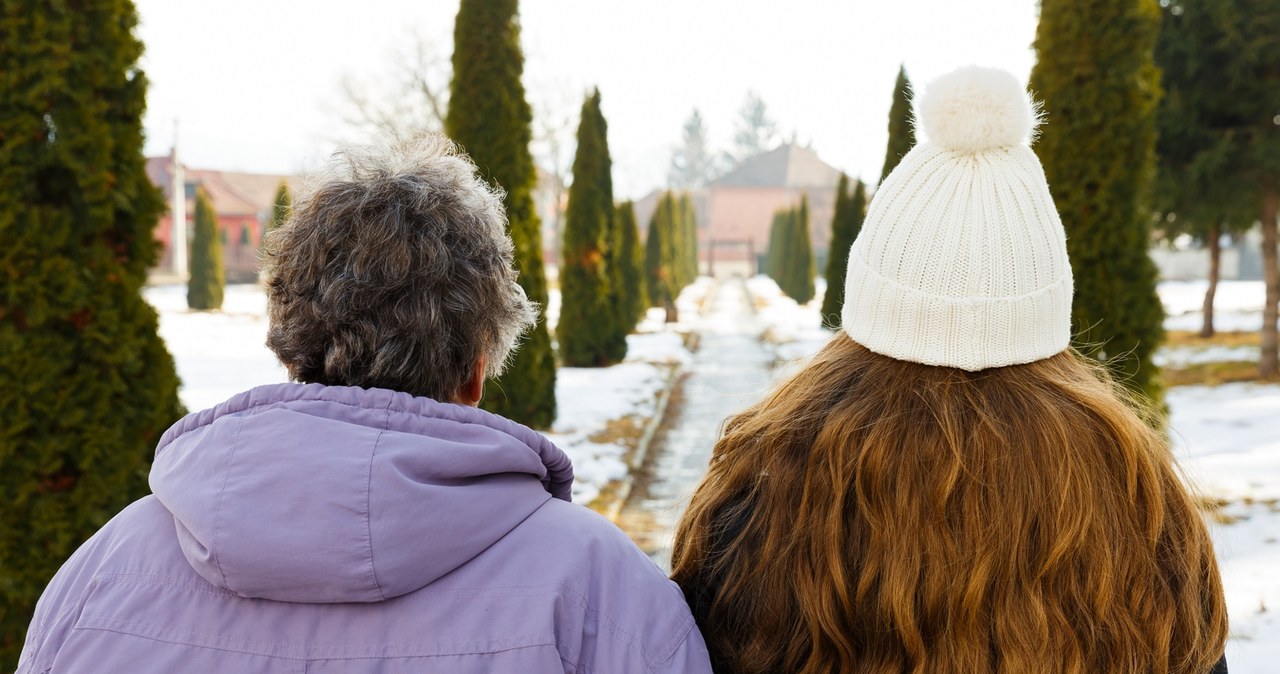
788, 165
232, 192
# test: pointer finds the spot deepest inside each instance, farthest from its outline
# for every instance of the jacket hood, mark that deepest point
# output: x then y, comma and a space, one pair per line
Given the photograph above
320, 494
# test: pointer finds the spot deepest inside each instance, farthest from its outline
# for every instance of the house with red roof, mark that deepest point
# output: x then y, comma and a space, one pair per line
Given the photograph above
243, 202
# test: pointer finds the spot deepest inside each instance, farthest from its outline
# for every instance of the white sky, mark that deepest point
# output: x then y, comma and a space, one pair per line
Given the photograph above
255, 83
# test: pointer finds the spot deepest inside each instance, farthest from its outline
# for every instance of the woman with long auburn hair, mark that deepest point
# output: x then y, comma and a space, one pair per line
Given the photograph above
947, 487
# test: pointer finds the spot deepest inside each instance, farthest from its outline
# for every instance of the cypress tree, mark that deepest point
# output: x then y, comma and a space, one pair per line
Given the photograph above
658, 255
490, 118
845, 225
902, 133
621, 320
676, 245
635, 292
280, 207
801, 268
1219, 136
781, 250
680, 242
208, 277
689, 249
589, 316
766, 262
831, 299
88, 386
1097, 77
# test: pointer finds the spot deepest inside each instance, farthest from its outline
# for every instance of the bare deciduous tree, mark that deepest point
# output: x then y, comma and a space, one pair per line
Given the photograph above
409, 97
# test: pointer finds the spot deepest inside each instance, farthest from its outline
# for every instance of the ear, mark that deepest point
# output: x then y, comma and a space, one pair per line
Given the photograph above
471, 392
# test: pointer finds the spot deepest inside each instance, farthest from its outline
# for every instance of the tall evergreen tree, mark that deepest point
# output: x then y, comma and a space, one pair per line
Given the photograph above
902, 132
86, 385
490, 118
689, 241
845, 225
1219, 129
636, 293
1097, 77
659, 274
675, 245
832, 298
622, 323
280, 207
693, 165
801, 270
756, 132
780, 247
208, 277
589, 317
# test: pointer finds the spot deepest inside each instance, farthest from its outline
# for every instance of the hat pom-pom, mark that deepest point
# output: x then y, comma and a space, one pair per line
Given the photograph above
974, 109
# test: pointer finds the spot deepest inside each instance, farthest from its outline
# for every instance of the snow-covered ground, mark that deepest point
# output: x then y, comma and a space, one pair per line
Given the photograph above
1226, 438
1237, 305
1183, 356
220, 354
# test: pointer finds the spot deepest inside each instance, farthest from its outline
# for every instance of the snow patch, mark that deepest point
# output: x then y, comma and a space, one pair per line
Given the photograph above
1237, 305
219, 353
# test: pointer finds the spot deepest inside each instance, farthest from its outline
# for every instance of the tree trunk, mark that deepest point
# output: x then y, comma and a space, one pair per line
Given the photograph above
1268, 363
1215, 257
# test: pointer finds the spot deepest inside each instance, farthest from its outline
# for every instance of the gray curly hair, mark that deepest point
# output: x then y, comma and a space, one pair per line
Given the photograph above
394, 271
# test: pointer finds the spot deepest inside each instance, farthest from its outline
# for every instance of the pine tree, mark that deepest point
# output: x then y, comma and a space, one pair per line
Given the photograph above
800, 271
633, 279
280, 207
1097, 77
902, 132
756, 132
208, 277
88, 386
490, 118
1218, 150
692, 163
589, 316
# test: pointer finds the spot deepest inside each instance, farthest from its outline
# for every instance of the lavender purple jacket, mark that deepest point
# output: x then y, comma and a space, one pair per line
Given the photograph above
305, 528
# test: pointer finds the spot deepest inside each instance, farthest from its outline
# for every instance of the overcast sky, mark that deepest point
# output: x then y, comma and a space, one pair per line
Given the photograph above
255, 83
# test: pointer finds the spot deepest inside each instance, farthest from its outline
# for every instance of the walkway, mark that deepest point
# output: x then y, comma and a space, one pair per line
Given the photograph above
730, 371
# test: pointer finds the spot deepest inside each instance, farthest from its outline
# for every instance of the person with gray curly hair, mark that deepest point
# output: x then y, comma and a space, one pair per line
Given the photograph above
367, 517
394, 261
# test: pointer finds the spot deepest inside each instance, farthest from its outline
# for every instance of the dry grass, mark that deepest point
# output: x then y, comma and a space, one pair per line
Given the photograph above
1216, 509
627, 432
1186, 338
1212, 374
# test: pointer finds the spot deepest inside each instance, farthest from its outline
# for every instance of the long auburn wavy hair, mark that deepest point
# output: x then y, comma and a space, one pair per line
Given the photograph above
878, 516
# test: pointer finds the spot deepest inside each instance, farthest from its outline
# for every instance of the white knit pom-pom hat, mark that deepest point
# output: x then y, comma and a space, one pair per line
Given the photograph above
962, 261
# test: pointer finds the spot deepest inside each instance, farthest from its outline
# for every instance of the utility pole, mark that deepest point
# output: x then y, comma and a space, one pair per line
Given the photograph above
178, 190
